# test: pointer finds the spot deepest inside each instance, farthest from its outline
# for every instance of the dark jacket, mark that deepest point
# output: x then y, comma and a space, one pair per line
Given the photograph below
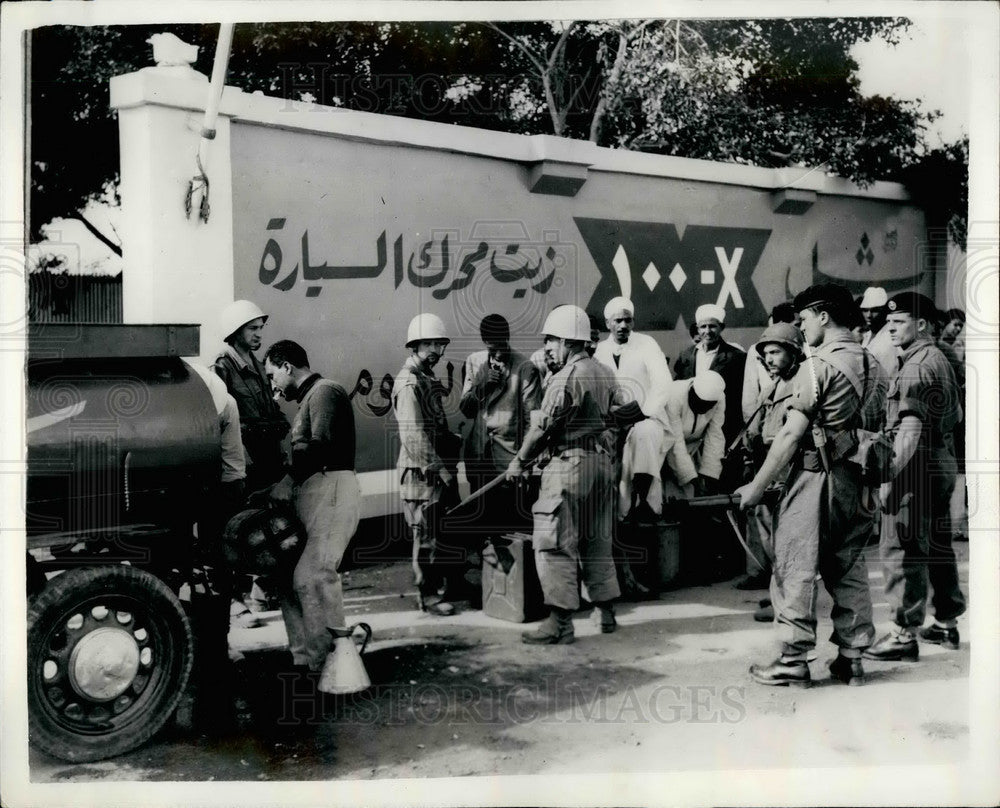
729, 363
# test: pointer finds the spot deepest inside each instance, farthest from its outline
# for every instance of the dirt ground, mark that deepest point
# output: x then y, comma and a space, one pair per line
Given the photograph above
461, 695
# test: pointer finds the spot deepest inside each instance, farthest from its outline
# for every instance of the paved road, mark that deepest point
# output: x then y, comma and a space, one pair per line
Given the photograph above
462, 696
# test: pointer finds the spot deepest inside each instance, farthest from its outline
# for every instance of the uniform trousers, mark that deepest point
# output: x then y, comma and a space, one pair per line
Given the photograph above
915, 541
328, 504
573, 522
818, 528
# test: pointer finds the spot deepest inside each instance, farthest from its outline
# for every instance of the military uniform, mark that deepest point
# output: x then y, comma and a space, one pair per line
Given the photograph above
573, 516
916, 538
426, 447
262, 425
770, 414
819, 524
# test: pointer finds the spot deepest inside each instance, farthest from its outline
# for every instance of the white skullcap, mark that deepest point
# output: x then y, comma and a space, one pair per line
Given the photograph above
709, 386
875, 297
617, 304
710, 311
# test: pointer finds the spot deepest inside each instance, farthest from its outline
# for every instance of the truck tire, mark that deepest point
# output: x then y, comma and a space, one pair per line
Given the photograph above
109, 655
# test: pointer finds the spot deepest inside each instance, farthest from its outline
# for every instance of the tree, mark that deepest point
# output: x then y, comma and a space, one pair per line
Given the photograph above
757, 92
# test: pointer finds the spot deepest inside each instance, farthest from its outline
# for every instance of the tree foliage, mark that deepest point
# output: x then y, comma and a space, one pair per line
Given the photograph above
757, 92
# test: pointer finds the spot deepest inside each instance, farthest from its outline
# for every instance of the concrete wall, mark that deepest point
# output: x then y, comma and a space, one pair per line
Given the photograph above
344, 225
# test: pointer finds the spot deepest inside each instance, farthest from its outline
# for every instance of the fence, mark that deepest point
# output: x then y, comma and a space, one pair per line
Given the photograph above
62, 298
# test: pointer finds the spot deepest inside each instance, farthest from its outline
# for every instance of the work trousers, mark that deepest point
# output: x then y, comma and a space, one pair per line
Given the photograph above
760, 540
437, 558
573, 522
329, 506
819, 528
915, 542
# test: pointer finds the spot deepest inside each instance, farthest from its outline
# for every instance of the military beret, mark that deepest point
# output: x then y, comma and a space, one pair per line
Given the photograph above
830, 294
914, 303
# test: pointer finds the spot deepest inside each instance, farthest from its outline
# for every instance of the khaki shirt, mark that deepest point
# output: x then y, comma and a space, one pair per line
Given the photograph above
773, 401
837, 408
417, 402
924, 386
577, 404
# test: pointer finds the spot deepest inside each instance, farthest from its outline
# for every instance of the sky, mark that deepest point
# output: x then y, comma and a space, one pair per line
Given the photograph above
929, 65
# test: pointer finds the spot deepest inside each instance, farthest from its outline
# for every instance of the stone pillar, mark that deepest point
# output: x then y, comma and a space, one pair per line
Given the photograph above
177, 268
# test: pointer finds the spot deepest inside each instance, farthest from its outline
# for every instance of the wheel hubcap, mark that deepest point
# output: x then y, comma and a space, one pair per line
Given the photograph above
104, 663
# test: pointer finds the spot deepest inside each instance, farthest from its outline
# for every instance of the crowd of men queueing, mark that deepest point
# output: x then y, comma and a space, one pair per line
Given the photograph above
840, 426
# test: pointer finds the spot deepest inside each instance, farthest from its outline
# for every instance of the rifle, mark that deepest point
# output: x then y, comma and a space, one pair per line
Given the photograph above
488, 487
676, 507
818, 433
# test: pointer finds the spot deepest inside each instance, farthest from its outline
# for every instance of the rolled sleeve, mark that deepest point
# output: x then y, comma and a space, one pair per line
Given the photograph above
803, 398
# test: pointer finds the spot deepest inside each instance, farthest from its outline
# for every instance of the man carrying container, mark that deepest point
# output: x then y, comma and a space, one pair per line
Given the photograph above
321, 484
574, 512
428, 455
819, 524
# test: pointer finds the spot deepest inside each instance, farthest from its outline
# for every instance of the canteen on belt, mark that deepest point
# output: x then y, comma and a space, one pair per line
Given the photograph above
343, 670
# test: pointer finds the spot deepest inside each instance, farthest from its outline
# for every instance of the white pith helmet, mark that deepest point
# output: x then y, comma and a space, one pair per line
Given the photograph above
426, 327
567, 322
237, 314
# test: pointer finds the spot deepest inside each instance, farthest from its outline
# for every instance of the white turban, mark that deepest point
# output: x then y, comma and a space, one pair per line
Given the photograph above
709, 386
617, 304
710, 312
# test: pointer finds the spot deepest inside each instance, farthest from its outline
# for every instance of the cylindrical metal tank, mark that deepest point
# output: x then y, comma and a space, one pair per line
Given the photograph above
119, 430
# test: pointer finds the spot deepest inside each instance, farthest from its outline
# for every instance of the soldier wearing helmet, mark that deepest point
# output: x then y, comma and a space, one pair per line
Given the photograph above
262, 425
779, 351
820, 526
573, 514
428, 456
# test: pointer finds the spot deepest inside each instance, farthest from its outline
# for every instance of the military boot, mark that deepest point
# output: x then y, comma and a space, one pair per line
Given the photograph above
605, 615
894, 647
782, 673
941, 635
556, 629
847, 670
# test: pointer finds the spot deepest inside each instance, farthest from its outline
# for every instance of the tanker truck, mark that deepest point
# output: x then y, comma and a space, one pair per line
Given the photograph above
122, 454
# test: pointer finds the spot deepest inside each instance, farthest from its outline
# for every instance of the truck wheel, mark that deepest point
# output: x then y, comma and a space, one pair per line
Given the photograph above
109, 656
